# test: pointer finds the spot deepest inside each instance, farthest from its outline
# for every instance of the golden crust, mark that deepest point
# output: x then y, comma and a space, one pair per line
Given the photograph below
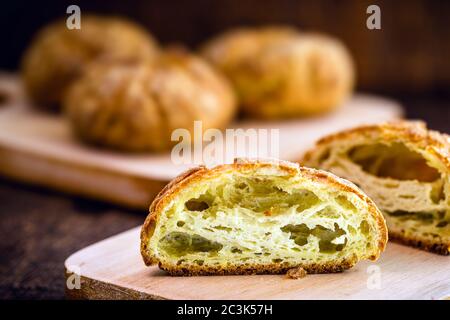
413, 132
196, 175
421, 243
281, 72
136, 106
296, 273
418, 137
258, 269
229, 49
58, 56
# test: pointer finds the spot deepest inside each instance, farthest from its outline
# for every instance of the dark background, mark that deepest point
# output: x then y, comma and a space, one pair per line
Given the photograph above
409, 55
409, 60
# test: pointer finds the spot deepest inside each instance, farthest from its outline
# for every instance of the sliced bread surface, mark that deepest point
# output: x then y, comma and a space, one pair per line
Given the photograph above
260, 217
404, 168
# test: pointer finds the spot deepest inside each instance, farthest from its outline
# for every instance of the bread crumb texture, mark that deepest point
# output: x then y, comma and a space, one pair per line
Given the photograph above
296, 273
405, 169
261, 217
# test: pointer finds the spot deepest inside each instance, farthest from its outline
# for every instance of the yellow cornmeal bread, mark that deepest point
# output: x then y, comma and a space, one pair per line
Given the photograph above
260, 217
404, 168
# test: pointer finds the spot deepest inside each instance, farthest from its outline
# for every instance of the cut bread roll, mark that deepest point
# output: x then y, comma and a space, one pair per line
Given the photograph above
260, 217
404, 168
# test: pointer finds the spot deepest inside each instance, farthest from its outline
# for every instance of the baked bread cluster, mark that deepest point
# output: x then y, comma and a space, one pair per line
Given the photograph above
58, 56
135, 105
260, 217
279, 72
122, 91
405, 169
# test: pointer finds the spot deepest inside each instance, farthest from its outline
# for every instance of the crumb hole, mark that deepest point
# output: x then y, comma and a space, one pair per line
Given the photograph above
180, 223
394, 161
196, 205
236, 250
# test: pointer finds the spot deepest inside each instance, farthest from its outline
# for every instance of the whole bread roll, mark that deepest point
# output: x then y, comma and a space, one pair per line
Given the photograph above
258, 216
228, 50
58, 55
278, 72
404, 168
135, 106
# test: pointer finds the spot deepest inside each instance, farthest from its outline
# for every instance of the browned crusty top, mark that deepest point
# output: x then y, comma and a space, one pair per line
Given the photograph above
412, 132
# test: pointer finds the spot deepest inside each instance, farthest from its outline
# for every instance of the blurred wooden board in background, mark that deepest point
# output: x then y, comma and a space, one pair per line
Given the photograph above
38, 148
113, 269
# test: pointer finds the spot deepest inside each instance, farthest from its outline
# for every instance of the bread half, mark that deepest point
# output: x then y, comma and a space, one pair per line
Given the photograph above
260, 217
405, 169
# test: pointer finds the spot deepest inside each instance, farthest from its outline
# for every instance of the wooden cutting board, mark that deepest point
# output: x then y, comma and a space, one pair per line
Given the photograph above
113, 269
39, 148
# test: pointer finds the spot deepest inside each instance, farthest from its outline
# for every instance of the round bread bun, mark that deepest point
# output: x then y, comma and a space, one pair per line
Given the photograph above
281, 73
58, 55
228, 50
405, 168
135, 106
259, 216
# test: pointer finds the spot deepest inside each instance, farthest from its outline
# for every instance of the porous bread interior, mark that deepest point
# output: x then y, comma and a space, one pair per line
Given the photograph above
256, 219
409, 185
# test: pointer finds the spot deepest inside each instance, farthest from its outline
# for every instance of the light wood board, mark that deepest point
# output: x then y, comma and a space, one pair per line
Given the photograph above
113, 269
39, 148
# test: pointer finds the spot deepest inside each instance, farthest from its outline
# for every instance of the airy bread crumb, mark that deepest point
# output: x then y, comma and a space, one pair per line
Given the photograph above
404, 168
213, 222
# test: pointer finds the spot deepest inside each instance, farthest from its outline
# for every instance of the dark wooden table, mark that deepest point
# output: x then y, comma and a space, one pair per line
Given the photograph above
39, 229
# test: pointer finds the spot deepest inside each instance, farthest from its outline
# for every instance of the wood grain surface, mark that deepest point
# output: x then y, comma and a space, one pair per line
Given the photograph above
113, 269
